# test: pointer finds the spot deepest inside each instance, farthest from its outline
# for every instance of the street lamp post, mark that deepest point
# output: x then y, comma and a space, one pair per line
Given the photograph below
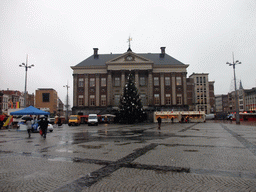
236, 96
66, 103
26, 66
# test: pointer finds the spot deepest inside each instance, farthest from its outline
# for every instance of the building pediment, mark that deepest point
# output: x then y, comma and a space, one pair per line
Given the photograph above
129, 61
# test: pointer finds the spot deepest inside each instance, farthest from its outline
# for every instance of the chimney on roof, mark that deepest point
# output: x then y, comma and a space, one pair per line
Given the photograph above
95, 53
162, 51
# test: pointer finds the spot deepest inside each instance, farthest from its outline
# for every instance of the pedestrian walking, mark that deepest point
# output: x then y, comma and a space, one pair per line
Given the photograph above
40, 125
159, 120
59, 121
29, 127
44, 126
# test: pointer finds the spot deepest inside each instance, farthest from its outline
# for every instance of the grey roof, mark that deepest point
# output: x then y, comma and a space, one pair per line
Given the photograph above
103, 58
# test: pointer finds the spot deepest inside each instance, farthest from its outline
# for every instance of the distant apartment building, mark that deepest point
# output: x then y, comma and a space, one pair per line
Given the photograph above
241, 93
221, 103
204, 99
60, 108
30, 100
250, 100
12, 99
47, 99
190, 94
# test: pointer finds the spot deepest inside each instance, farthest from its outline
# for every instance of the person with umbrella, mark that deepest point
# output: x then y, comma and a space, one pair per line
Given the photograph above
29, 127
44, 126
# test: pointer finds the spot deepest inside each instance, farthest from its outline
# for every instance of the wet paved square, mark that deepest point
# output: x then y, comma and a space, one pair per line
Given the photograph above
181, 157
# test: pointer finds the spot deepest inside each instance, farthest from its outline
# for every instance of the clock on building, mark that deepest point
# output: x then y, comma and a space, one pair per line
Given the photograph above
129, 58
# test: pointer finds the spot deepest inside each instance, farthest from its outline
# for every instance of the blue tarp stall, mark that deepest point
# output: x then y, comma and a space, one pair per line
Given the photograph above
30, 111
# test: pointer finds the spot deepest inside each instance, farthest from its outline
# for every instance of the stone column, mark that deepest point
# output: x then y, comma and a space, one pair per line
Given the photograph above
162, 89
173, 90
97, 89
86, 90
109, 88
150, 87
122, 80
137, 83
185, 89
75, 89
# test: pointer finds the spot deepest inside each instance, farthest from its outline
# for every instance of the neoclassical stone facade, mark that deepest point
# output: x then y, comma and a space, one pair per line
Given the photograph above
98, 81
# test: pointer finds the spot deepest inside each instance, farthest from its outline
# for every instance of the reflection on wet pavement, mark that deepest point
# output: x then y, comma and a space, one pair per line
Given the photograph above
115, 135
220, 151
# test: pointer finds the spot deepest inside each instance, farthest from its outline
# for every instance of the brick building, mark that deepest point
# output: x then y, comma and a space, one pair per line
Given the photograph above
47, 99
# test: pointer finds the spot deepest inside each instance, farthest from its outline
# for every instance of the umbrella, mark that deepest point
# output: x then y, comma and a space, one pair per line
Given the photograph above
27, 118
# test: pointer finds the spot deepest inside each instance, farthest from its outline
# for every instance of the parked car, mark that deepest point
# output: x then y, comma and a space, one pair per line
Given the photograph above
51, 120
74, 120
35, 127
93, 119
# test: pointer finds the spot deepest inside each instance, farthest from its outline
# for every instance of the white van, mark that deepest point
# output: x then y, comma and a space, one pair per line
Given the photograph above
93, 119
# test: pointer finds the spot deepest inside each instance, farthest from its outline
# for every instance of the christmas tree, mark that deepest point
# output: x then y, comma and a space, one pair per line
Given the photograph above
130, 108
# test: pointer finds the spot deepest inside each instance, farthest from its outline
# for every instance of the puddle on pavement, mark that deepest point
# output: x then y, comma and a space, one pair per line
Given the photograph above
5, 152
91, 146
64, 151
190, 150
138, 136
124, 143
62, 159
43, 150
142, 141
224, 173
29, 141
26, 153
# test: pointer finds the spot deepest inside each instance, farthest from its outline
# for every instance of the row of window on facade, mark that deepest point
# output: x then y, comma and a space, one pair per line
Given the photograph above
144, 100
117, 81
202, 108
202, 100
200, 80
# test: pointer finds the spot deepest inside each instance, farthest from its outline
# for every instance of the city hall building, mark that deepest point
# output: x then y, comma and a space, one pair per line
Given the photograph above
98, 82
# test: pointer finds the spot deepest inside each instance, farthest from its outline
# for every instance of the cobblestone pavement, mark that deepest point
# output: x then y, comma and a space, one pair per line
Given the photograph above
212, 156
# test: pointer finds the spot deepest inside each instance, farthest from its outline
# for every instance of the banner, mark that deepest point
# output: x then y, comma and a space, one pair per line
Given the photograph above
8, 121
17, 105
10, 104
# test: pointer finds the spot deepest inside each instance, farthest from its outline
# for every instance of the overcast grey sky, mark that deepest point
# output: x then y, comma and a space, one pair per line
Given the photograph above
57, 34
